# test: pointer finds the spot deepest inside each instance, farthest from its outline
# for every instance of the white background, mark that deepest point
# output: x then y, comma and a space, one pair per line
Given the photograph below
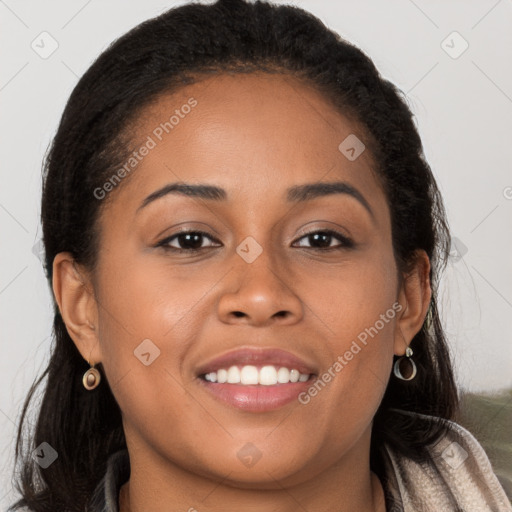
463, 108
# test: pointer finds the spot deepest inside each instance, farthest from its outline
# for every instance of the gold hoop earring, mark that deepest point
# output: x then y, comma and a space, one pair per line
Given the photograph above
91, 378
405, 368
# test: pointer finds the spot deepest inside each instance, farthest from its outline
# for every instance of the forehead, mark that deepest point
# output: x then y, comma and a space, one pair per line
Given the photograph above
254, 135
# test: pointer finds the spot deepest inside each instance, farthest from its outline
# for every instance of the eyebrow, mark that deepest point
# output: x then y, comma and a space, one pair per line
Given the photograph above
295, 194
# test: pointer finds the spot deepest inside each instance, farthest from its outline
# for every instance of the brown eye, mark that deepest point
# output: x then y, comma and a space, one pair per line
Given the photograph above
187, 241
192, 241
322, 239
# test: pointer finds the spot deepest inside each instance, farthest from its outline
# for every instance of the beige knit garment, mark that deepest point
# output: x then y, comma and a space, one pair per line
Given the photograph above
460, 479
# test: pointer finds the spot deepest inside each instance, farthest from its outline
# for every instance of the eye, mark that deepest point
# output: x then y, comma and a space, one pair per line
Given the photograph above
188, 241
192, 241
323, 239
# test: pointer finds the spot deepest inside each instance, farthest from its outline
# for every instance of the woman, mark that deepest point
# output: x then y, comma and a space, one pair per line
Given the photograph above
244, 243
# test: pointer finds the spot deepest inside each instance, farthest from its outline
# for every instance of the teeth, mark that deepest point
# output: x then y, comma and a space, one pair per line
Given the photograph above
233, 375
250, 375
294, 376
222, 376
268, 376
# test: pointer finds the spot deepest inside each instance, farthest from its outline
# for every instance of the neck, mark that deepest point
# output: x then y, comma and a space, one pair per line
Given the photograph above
346, 486
378, 500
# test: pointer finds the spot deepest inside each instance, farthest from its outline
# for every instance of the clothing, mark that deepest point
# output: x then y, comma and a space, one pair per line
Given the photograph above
458, 479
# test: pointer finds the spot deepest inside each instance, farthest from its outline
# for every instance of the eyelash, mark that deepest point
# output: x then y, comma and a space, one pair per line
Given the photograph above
346, 243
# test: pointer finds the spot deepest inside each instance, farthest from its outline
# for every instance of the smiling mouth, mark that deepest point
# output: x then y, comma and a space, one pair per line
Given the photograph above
256, 389
252, 375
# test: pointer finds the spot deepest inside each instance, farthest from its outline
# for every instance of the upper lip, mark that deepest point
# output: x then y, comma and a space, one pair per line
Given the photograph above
257, 355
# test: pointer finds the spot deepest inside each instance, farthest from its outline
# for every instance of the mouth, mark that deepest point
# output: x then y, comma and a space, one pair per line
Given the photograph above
256, 380
250, 375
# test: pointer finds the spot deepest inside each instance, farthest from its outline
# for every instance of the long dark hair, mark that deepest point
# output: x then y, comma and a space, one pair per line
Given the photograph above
93, 137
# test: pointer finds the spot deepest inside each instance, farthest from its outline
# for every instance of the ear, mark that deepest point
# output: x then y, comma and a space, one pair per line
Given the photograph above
77, 305
414, 297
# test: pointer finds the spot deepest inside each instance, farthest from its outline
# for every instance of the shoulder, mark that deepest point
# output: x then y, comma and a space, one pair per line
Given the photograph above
458, 475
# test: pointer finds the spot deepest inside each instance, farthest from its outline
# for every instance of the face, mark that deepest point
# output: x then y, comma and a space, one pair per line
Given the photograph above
314, 276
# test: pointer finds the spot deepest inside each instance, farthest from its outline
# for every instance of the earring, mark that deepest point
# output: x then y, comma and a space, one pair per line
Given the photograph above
91, 378
409, 372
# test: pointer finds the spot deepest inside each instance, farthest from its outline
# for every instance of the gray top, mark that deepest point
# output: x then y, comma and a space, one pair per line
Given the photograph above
458, 478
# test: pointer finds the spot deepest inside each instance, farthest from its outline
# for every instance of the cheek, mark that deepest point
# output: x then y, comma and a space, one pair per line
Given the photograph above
154, 301
357, 312
149, 317
350, 299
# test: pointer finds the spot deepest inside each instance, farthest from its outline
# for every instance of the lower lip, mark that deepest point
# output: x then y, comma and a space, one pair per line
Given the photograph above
256, 398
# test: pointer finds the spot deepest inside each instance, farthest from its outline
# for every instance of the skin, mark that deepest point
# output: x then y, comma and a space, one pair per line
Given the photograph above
182, 442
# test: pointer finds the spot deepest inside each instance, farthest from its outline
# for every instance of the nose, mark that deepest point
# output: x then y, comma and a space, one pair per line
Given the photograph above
263, 294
